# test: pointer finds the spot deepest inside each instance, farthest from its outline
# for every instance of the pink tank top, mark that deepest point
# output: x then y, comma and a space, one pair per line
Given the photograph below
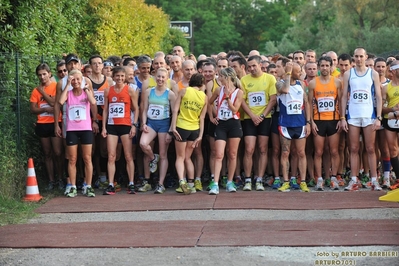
78, 112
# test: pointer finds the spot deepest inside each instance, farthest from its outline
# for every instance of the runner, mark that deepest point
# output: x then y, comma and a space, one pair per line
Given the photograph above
119, 100
78, 128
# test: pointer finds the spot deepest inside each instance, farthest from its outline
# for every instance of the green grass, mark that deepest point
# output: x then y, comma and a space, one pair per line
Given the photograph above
16, 212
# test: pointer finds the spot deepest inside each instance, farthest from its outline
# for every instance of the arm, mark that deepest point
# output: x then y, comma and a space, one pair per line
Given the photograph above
237, 103
144, 108
307, 110
175, 113
57, 109
311, 87
174, 87
172, 102
133, 105
93, 106
105, 113
202, 117
47, 98
210, 106
344, 101
385, 109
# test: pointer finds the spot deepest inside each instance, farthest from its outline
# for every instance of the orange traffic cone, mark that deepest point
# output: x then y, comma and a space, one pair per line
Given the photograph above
32, 191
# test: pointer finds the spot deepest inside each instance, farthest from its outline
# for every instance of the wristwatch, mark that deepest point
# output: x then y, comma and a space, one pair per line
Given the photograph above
262, 116
135, 125
379, 118
308, 122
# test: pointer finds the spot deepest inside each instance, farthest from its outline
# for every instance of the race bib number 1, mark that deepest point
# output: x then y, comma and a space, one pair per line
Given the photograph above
77, 112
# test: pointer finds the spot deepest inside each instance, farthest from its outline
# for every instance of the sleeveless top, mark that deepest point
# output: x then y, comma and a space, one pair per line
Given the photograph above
99, 95
292, 110
361, 93
326, 100
37, 97
224, 112
119, 106
78, 112
190, 109
158, 106
64, 83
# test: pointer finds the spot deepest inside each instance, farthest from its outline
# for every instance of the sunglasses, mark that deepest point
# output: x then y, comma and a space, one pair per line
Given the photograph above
63, 70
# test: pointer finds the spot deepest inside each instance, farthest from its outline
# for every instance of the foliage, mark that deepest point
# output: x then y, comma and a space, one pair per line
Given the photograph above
13, 212
124, 26
173, 38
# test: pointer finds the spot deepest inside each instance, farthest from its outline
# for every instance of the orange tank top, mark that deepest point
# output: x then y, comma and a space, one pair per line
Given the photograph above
326, 100
119, 106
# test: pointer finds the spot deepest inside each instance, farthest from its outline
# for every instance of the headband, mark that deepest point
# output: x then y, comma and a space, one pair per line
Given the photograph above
394, 67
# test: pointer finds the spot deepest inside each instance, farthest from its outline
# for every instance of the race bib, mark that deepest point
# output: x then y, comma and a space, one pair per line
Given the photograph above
77, 112
156, 112
116, 110
326, 104
393, 123
294, 107
257, 98
45, 105
361, 96
99, 96
224, 112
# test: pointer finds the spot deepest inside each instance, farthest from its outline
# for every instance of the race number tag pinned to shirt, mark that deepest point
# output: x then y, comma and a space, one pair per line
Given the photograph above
45, 105
257, 98
393, 123
294, 107
77, 112
360, 96
116, 110
326, 104
99, 96
224, 111
155, 111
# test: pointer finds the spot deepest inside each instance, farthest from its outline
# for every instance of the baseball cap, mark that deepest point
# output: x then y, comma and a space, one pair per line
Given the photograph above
71, 57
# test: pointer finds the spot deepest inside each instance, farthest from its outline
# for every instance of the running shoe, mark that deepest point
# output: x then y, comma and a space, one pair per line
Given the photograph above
51, 185
198, 185
259, 186
363, 180
90, 192
386, 183
320, 184
154, 163
145, 187
352, 186
247, 186
159, 189
394, 186
131, 189
84, 189
269, 181
276, 184
179, 190
341, 181
192, 188
72, 193
117, 187
327, 182
304, 187
294, 184
223, 183
238, 182
312, 183
110, 190
67, 189
103, 185
184, 187
334, 183
214, 189
375, 186
285, 187
230, 187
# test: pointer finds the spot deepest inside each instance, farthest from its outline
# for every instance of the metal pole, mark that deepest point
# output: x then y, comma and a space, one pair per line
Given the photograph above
18, 103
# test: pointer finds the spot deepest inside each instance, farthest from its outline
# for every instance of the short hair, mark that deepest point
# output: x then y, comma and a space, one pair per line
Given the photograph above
143, 59
270, 66
114, 59
118, 69
284, 60
127, 61
379, 59
189, 61
42, 66
241, 61
298, 52
310, 51
210, 64
86, 67
60, 63
345, 57
201, 63
232, 54
257, 58
95, 56
196, 80
325, 58
75, 71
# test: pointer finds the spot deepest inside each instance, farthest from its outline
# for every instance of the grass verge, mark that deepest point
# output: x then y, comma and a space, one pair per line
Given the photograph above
15, 212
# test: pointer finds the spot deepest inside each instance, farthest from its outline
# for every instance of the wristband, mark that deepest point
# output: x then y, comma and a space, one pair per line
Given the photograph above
342, 118
288, 73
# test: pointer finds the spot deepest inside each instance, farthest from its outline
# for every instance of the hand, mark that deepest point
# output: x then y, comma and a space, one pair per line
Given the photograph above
344, 125
49, 110
145, 128
288, 67
308, 130
315, 129
376, 124
132, 132
214, 120
256, 120
176, 135
104, 132
95, 127
196, 142
58, 131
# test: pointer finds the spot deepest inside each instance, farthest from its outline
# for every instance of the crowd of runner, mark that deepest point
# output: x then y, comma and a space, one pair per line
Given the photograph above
225, 120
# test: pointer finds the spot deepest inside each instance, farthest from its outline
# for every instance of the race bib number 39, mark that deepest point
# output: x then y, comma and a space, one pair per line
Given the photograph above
326, 104
77, 112
116, 110
294, 107
257, 98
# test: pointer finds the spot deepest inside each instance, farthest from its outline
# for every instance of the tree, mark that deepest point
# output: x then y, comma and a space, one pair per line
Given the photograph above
173, 38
